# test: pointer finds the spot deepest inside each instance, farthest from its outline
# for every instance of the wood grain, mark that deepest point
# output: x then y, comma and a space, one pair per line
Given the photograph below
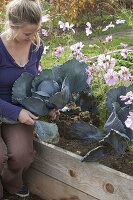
93, 179
49, 188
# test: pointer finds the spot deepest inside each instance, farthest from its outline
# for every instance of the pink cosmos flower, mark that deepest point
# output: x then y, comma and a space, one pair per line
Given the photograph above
76, 49
129, 121
62, 25
84, 59
66, 26
108, 38
44, 32
123, 45
111, 77
90, 69
124, 53
77, 46
106, 61
58, 51
79, 56
128, 97
89, 79
124, 73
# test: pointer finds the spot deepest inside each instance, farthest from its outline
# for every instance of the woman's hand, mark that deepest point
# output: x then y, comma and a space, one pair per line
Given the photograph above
26, 117
54, 114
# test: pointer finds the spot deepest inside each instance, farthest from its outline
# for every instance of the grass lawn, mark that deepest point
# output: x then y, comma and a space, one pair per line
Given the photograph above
49, 59
56, 38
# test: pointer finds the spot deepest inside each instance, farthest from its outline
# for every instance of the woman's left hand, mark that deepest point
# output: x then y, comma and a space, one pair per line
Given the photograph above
54, 114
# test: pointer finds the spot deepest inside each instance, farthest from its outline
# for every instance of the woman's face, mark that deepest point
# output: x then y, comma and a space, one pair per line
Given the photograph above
25, 33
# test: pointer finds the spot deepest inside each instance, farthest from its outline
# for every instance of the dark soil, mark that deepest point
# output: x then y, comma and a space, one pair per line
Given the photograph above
123, 163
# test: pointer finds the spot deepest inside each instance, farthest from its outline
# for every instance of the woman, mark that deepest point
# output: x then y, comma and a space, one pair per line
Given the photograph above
20, 51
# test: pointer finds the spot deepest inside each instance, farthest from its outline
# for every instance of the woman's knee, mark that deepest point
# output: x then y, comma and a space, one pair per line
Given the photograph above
18, 161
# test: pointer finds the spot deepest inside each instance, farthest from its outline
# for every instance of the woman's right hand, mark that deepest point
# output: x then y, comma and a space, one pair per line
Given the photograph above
26, 117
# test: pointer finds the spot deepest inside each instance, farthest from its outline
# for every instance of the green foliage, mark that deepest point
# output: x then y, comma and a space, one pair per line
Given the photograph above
127, 62
49, 59
73, 10
99, 92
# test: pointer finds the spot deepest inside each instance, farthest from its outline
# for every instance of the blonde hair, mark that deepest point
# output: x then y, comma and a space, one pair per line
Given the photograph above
20, 12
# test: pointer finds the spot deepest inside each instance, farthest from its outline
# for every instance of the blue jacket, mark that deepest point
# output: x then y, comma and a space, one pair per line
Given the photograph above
9, 72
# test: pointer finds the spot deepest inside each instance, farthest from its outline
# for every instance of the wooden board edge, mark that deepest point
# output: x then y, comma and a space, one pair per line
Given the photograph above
49, 188
73, 155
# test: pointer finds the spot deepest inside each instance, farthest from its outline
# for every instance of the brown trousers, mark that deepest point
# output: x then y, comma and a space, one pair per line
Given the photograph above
19, 142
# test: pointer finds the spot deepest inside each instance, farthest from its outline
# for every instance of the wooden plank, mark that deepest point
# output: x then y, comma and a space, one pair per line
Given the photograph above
49, 188
93, 179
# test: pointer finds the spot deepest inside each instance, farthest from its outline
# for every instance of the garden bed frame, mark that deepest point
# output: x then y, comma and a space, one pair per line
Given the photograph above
58, 174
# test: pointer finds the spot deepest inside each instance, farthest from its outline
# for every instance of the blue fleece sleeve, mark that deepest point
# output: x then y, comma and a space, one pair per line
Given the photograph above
9, 110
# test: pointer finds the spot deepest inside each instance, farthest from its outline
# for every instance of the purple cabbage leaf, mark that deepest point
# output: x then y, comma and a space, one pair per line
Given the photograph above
118, 141
119, 111
51, 88
113, 95
36, 105
22, 87
96, 154
84, 131
113, 122
113, 141
76, 73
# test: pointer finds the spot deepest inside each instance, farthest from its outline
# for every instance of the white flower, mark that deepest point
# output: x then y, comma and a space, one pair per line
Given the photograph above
69, 26
45, 49
88, 29
66, 25
129, 121
120, 21
45, 18
111, 25
62, 25
89, 25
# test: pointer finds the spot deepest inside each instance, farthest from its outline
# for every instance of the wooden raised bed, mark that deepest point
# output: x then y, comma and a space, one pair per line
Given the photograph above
58, 174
